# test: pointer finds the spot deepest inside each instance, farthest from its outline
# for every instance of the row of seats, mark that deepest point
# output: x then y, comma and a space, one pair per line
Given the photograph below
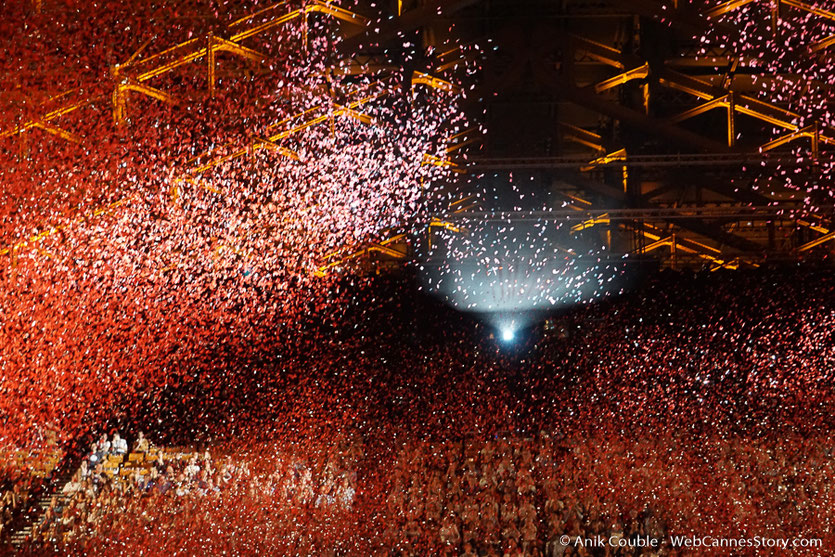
141, 463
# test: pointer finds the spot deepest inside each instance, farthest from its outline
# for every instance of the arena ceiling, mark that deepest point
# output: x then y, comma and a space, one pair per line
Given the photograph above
654, 124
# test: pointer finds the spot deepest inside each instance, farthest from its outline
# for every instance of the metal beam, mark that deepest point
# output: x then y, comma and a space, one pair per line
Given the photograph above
640, 72
814, 243
432, 10
627, 116
726, 7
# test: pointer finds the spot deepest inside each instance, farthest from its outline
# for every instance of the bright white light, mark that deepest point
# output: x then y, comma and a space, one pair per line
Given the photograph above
507, 334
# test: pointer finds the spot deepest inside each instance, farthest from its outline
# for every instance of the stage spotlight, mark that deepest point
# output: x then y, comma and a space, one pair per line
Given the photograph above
508, 333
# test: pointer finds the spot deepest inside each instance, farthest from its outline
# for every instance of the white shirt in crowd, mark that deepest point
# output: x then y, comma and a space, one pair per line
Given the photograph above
119, 445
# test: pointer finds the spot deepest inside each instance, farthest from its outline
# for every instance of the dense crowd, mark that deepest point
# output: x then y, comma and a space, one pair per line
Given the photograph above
25, 473
450, 442
510, 495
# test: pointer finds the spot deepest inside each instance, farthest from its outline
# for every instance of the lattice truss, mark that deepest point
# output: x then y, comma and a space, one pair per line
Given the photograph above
785, 133
140, 75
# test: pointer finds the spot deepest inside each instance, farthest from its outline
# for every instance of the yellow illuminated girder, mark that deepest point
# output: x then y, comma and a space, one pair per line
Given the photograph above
814, 243
41, 236
599, 51
704, 251
267, 144
823, 44
381, 247
271, 141
811, 226
52, 114
120, 100
443, 163
636, 73
701, 109
732, 5
456, 145
189, 51
809, 8
616, 156
434, 82
577, 199
733, 102
668, 241
461, 204
726, 7
464, 204
316, 6
55, 130
260, 13
339, 13
594, 221
446, 225
329, 112
808, 131
583, 137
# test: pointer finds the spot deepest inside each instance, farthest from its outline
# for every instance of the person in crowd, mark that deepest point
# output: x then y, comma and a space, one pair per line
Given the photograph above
118, 446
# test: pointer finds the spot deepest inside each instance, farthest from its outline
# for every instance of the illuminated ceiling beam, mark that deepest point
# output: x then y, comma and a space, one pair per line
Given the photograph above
348, 110
668, 241
619, 155
594, 221
680, 14
380, 247
810, 9
634, 118
394, 28
318, 6
41, 236
443, 163
133, 63
726, 7
823, 44
265, 26
814, 243
636, 73
466, 203
216, 44
359, 116
743, 104
260, 13
152, 92
59, 132
811, 226
420, 78
51, 115
808, 131
172, 65
454, 145
582, 137
446, 225
599, 51
704, 251
701, 109
220, 44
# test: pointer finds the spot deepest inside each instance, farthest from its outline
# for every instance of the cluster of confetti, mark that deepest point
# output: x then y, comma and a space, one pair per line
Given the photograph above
786, 51
149, 261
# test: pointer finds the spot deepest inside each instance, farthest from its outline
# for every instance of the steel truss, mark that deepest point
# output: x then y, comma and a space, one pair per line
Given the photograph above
133, 75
